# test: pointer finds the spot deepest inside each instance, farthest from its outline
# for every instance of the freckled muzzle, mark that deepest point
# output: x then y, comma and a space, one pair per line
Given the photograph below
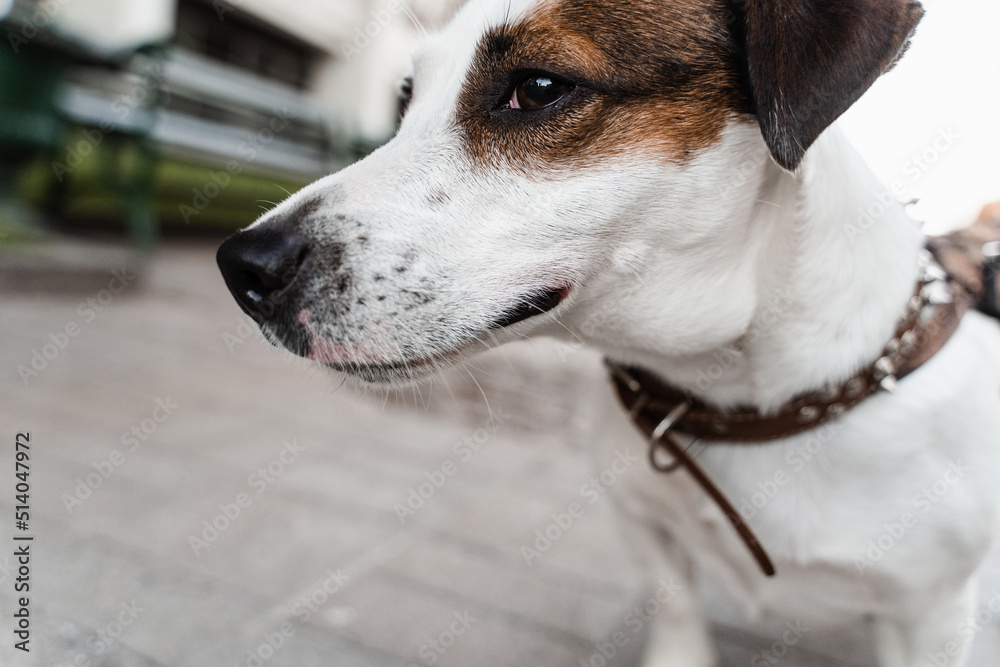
317, 289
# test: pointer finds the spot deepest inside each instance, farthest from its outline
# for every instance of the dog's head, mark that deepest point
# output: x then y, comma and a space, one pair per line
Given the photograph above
549, 150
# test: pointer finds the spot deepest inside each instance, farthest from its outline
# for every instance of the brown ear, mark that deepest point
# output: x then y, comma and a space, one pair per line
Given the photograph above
810, 60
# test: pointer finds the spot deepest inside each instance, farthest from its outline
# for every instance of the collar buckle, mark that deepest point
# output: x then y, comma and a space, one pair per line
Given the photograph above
656, 439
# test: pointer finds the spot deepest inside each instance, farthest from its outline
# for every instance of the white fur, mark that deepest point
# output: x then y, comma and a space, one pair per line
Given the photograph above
844, 299
733, 279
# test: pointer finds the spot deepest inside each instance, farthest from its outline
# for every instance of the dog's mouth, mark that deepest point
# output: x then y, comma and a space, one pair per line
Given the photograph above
529, 306
394, 372
406, 370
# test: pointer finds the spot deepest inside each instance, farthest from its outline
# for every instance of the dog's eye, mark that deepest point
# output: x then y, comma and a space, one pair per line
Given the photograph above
537, 91
405, 96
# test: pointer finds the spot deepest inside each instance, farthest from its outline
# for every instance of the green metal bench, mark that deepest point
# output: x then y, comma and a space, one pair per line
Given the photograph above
29, 124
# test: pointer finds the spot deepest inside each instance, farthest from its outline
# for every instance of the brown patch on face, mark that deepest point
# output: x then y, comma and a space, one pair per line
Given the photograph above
652, 77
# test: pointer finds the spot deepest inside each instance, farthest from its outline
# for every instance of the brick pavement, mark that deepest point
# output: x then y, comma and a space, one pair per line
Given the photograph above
317, 563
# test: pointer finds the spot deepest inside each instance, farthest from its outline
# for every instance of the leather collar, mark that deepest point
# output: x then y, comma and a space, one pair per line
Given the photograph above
661, 411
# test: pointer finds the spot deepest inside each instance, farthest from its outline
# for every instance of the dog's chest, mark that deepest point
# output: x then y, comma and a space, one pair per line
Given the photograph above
816, 577
855, 515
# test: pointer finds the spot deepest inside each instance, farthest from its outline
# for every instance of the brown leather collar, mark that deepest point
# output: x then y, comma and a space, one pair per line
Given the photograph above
661, 411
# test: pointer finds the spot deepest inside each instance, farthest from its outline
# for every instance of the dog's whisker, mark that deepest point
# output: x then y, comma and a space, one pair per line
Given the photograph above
266, 209
479, 369
770, 203
484, 343
638, 277
445, 381
343, 381
524, 336
418, 397
504, 353
570, 331
485, 399
430, 391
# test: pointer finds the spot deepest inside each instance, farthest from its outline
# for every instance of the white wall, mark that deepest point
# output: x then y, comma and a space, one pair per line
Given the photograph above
369, 43
322, 23
113, 25
358, 88
121, 24
949, 80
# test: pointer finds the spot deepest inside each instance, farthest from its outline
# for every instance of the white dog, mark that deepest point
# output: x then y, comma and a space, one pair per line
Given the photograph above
671, 167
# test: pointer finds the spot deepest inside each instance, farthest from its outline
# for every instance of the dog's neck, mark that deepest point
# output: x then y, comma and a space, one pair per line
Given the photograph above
831, 284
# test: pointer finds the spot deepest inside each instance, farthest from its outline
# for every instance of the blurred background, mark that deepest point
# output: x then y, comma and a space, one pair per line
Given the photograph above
200, 498
128, 111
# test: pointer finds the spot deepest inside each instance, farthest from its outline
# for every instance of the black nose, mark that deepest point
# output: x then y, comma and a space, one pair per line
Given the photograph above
258, 265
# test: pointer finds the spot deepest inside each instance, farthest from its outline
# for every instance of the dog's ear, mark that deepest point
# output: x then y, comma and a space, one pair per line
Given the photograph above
810, 60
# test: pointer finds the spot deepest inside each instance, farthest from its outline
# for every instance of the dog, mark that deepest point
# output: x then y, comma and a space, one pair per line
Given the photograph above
676, 165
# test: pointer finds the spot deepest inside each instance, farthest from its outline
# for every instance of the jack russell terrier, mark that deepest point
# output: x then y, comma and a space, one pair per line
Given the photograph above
775, 318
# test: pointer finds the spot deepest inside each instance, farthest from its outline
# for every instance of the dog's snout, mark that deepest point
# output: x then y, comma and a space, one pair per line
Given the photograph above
258, 266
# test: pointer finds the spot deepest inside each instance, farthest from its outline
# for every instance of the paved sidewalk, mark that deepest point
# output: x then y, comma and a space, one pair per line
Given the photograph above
201, 499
